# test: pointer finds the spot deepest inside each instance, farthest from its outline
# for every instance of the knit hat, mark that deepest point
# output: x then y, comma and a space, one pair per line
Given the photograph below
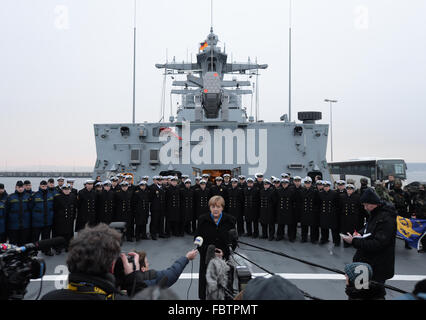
273, 288
370, 196
352, 274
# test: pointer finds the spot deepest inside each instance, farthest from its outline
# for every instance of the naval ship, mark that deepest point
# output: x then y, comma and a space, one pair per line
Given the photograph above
211, 102
213, 131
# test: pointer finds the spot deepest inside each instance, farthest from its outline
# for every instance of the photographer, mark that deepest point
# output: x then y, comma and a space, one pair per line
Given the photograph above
153, 277
91, 260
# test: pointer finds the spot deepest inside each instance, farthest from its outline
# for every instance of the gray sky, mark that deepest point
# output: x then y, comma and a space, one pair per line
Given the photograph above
65, 65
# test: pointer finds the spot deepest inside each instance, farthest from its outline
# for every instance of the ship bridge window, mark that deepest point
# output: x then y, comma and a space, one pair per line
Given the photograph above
125, 131
212, 64
298, 131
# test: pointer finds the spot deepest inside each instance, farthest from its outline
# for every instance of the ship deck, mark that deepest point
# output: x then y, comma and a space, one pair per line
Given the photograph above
409, 266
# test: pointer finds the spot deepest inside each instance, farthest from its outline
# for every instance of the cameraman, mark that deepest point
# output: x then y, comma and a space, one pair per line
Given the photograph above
153, 277
91, 260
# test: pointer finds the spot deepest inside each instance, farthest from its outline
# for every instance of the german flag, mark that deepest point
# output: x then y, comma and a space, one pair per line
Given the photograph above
203, 45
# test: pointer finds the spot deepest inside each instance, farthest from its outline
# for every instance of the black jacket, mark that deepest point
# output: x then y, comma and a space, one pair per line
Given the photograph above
216, 235
86, 209
378, 250
122, 206
173, 203
251, 204
235, 201
310, 207
350, 211
140, 206
267, 199
285, 206
328, 210
187, 203
105, 206
202, 198
105, 283
65, 211
157, 198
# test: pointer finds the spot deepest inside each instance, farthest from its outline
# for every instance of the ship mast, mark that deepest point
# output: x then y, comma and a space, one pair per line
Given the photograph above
134, 64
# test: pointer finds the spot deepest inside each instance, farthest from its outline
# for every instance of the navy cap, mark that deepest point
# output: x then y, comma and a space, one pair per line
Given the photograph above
51, 180
27, 182
43, 183
1, 186
19, 184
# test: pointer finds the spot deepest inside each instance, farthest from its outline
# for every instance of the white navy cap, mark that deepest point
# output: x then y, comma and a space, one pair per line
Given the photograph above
203, 181
197, 178
241, 177
234, 180
341, 182
119, 175
266, 181
188, 181
66, 186
326, 183
184, 176
70, 180
285, 181
205, 175
276, 180
114, 179
350, 186
98, 184
174, 178
124, 183
226, 175
258, 175
250, 180
297, 178
145, 177
60, 178
89, 181
129, 177
285, 175
218, 178
106, 182
307, 180
143, 182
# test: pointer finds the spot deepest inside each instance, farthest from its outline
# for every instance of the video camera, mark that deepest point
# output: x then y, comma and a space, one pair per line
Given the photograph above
241, 273
18, 265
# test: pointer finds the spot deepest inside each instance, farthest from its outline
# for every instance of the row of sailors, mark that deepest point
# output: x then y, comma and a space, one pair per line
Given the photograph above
174, 208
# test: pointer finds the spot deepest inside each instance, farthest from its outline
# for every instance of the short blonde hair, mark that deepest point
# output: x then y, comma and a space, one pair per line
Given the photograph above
217, 200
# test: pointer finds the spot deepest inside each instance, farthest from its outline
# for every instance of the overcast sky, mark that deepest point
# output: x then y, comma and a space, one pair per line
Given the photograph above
65, 65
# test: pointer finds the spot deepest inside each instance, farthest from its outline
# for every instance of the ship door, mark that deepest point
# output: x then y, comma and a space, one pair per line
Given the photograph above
236, 172
196, 172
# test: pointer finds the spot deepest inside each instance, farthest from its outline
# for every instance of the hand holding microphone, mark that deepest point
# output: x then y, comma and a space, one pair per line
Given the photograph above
198, 242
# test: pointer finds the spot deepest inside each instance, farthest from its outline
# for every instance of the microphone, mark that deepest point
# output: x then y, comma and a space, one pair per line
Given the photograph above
198, 242
42, 245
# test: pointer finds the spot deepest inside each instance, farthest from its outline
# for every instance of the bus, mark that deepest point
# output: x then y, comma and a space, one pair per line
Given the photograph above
371, 168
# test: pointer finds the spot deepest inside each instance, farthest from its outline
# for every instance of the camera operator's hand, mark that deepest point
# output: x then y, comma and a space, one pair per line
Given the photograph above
218, 253
192, 254
128, 266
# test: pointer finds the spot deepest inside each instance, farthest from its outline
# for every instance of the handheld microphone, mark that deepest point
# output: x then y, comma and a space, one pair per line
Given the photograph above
42, 245
198, 242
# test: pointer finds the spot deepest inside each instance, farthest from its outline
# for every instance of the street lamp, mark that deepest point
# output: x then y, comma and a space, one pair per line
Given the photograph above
331, 124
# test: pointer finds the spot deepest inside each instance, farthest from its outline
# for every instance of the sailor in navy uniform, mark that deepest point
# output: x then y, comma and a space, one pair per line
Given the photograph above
74, 191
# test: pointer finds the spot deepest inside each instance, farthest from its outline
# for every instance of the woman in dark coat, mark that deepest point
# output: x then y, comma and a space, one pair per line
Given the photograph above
214, 228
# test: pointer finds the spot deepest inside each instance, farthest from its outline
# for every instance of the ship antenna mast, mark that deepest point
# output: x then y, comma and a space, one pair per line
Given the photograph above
134, 64
289, 64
